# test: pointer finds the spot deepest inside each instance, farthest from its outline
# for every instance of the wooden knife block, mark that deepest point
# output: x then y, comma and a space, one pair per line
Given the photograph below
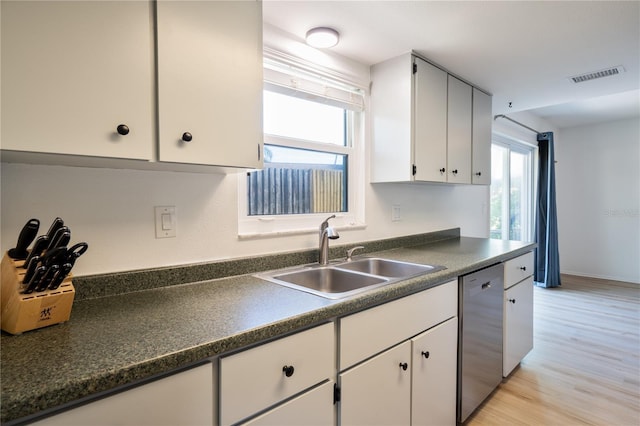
24, 312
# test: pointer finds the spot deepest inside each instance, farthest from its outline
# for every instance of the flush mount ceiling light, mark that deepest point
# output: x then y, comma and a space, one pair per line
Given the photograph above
322, 37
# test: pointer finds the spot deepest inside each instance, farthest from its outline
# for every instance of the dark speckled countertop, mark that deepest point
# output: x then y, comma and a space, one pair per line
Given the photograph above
119, 339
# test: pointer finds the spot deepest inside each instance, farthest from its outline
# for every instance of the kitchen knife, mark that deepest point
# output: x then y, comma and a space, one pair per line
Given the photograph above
31, 269
61, 239
41, 243
55, 256
60, 276
57, 224
33, 282
47, 278
27, 235
53, 241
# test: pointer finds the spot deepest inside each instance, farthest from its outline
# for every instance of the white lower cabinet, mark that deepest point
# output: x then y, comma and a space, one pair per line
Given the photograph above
517, 332
518, 324
434, 372
378, 391
412, 382
257, 379
184, 398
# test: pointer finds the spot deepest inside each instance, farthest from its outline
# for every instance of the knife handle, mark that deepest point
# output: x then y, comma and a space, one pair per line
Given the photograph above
42, 242
53, 241
31, 269
57, 224
60, 276
47, 278
27, 235
37, 276
60, 240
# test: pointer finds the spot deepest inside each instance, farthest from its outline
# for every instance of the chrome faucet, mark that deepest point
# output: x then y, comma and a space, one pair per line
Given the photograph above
326, 233
350, 252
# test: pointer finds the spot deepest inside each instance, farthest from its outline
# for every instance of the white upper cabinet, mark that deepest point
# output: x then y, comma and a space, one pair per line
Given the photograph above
430, 122
481, 138
79, 78
423, 124
72, 72
458, 131
210, 82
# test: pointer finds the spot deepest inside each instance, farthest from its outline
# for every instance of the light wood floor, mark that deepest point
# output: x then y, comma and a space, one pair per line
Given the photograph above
585, 365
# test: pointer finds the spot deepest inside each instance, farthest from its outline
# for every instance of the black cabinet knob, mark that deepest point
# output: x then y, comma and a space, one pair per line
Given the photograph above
442, 170
288, 370
187, 137
512, 301
455, 172
404, 366
425, 354
523, 268
123, 129
478, 173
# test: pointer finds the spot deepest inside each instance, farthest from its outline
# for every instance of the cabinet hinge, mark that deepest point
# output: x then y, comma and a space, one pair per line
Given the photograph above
336, 393
415, 68
414, 170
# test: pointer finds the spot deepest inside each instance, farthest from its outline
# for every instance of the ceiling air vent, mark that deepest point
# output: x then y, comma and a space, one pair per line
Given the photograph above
597, 74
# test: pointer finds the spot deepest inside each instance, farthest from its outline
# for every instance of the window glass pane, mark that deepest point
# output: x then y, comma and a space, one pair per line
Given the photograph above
518, 194
298, 181
498, 180
302, 119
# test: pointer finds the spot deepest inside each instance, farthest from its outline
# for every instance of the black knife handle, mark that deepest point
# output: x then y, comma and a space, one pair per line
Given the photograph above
54, 256
53, 241
60, 276
57, 224
27, 235
47, 278
31, 269
62, 239
42, 242
33, 282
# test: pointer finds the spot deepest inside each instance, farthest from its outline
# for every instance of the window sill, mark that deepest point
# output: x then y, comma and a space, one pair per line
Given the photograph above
293, 232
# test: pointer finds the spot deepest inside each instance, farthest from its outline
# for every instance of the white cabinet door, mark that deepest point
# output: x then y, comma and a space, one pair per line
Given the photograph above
458, 131
518, 324
185, 398
72, 72
312, 408
481, 139
210, 82
434, 370
430, 122
378, 391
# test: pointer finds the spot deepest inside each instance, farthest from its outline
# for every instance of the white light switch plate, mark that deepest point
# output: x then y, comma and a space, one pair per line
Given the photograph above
395, 213
166, 221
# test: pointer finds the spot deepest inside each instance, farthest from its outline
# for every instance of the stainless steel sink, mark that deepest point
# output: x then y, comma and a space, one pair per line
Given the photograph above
345, 279
388, 268
329, 282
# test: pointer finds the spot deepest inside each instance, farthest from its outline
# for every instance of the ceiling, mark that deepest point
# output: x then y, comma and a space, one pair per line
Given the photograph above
521, 52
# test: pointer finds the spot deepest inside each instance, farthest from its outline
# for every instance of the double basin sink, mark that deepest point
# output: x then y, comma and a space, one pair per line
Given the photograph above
340, 280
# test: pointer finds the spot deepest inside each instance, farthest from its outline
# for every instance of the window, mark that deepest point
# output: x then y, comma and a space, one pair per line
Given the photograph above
312, 149
512, 178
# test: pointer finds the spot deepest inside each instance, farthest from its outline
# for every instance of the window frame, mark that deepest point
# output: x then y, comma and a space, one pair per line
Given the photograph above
530, 176
258, 226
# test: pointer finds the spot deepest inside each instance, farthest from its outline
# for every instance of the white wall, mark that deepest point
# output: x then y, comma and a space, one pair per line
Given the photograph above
598, 196
113, 210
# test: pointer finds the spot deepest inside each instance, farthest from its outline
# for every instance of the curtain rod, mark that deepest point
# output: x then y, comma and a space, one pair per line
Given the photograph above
514, 121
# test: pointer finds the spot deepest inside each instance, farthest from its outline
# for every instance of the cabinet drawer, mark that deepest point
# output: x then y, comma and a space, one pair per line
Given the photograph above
516, 270
369, 332
255, 379
312, 408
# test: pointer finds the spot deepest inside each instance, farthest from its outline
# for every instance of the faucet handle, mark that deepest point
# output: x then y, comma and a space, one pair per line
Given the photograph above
350, 252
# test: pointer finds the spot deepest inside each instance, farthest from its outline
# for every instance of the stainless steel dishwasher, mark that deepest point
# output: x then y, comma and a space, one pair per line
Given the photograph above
480, 337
